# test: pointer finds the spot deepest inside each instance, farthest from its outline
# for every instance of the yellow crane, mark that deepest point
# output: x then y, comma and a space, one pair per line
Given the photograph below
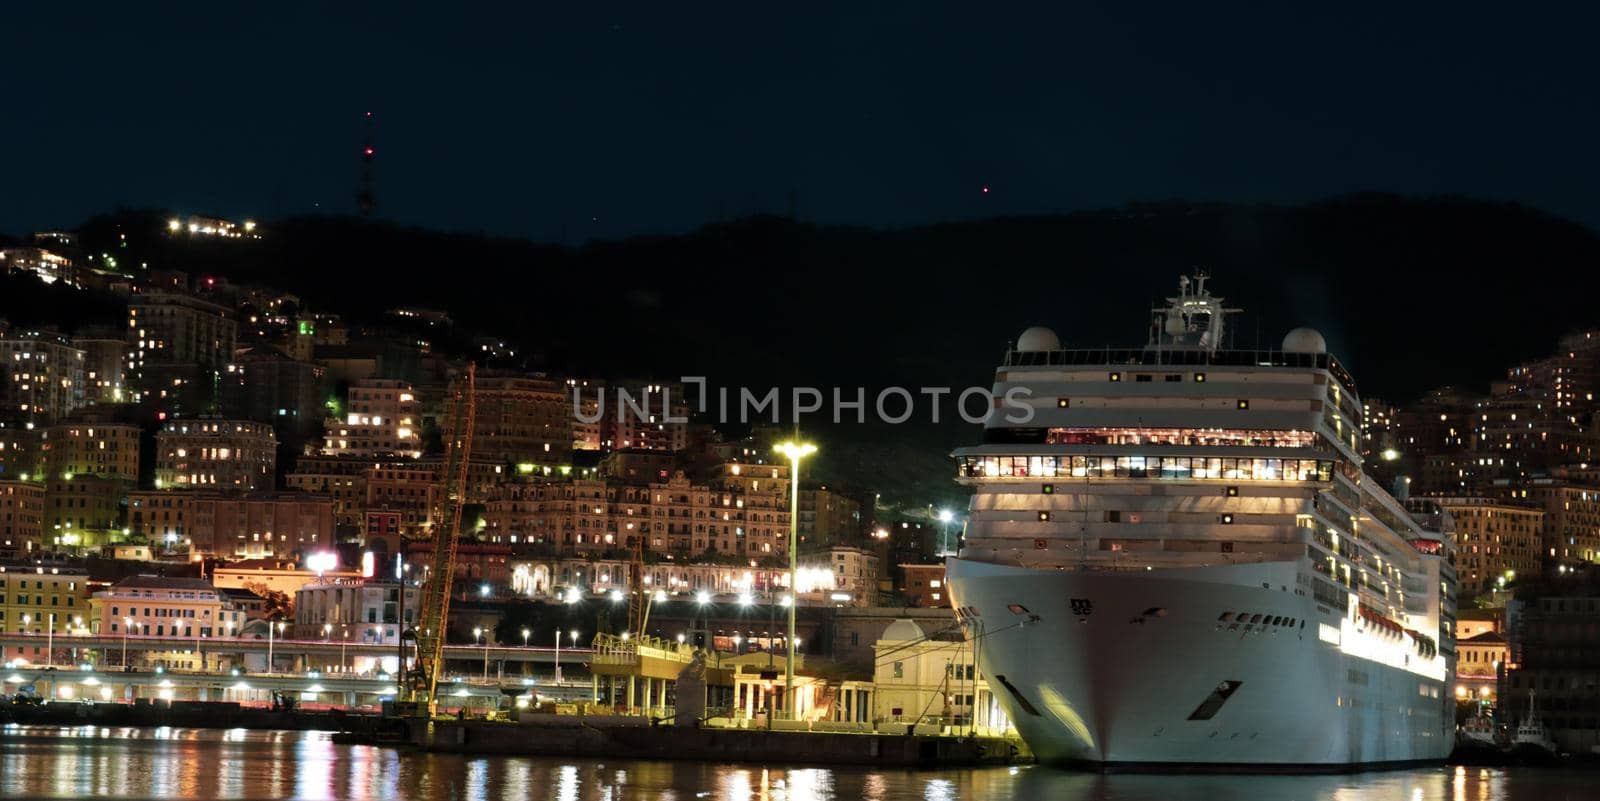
435, 616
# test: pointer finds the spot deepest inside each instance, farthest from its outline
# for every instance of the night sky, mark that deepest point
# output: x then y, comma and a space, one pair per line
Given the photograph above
570, 121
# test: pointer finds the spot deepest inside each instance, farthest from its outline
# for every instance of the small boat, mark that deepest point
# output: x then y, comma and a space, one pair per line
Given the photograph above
1479, 730
1532, 738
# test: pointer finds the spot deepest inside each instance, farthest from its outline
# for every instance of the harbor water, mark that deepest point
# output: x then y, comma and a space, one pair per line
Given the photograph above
93, 762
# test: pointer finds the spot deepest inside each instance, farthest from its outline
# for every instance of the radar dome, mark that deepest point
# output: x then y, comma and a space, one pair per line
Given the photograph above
1304, 340
1038, 338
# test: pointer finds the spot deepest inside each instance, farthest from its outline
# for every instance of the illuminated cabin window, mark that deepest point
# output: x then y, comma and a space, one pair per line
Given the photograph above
1062, 403
1181, 468
1244, 404
1116, 377
1044, 516
1199, 378
1209, 437
1227, 519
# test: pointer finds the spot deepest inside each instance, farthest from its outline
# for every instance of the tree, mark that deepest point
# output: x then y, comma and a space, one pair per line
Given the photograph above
279, 605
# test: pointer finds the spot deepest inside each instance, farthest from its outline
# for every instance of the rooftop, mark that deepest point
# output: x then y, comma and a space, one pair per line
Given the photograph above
164, 583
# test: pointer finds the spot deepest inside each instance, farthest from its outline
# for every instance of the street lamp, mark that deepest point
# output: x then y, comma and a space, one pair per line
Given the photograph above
127, 623
795, 451
270, 626
343, 668
477, 634
49, 640
558, 656
525, 634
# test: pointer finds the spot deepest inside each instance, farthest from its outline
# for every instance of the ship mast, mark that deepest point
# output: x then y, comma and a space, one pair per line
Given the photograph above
1194, 320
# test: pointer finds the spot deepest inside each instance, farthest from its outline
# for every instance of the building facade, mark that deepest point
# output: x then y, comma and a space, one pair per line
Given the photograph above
382, 419
39, 598
102, 449
217, 454
21, 517
265, 525
1496, 540
369, 611
43, 376
178, 346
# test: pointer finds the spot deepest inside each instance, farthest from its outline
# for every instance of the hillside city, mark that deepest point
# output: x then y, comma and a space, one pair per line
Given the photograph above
267, 469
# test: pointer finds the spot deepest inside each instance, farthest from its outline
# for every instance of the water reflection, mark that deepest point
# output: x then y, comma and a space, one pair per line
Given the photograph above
81, 762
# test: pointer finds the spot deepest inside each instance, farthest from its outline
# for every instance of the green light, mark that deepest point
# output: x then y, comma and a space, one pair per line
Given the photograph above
526, 467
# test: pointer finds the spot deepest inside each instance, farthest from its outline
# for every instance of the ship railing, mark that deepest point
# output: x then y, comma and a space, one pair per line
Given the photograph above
1176, 357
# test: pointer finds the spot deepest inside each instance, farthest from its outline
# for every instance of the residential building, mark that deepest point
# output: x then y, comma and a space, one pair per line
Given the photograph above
272, 525
104, 361
268, 387
42, 376
91, 445
38, 598
164, 606
178, 346
411, 492
50, 266
381, 419
344, 479
82, 509
520, 420
1571, 532
213, 453
21, 517
828, 517
1496, 540
923, 585
20, 454
841, 575
647, 417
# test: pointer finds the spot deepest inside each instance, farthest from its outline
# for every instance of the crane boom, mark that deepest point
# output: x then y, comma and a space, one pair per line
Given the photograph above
447, 532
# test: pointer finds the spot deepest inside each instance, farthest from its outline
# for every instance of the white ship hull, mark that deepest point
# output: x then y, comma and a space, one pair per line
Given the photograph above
1101, 689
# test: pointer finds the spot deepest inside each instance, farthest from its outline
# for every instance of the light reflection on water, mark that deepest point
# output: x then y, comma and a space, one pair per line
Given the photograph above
83, 762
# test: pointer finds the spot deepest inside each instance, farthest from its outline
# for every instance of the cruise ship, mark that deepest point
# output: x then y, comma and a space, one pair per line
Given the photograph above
1174, 559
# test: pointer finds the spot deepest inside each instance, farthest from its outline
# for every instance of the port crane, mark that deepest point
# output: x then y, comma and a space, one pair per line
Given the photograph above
460, 416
